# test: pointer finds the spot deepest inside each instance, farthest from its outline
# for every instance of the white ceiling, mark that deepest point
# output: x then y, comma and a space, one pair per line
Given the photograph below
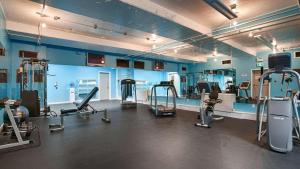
200, 12
193, 14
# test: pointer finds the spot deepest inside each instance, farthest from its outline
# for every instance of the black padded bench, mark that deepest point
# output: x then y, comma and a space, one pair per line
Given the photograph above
81, 108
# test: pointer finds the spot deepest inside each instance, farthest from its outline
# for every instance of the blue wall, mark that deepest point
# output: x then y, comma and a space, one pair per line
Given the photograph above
69, 57
276, 79
64, 75
244, 63
4, 60
241, 61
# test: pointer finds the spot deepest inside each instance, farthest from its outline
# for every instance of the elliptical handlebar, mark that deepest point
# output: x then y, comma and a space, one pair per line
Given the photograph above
261, 82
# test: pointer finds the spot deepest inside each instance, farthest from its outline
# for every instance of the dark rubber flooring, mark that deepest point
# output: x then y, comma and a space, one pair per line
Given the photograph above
137, 140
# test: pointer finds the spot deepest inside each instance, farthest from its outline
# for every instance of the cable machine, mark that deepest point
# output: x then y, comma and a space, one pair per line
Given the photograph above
128, 89
33, 85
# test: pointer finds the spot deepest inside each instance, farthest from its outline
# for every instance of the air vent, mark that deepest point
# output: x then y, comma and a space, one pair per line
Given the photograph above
95, 59
28, 54
226, 62
297, 54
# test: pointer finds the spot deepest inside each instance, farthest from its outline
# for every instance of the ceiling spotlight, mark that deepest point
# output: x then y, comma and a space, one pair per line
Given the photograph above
154, 46
44, 25
274, 42
233, 1
44, 7
215, 59
233, 8
215, 52
56, 18
153, 36
234, 23
257, 36
250, 34
175, 50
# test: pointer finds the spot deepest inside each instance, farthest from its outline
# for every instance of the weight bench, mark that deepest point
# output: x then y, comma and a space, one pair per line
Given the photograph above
81, 109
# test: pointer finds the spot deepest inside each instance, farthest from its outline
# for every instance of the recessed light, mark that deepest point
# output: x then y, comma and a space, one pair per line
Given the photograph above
250, 34
153, 36
274, 42
44, 25
256, 36
44, 7
215, 52
234, 23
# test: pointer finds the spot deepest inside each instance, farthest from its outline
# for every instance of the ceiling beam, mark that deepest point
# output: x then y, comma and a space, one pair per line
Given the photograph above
73, 36
156, 9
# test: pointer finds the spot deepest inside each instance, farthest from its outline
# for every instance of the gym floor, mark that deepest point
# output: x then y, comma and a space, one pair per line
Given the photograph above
137, 139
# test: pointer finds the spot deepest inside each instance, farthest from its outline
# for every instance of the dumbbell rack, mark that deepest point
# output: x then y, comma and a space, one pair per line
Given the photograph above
15, 128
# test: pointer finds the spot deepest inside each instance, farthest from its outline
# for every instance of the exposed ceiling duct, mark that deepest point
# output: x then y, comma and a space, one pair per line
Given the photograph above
263, 41
222, 8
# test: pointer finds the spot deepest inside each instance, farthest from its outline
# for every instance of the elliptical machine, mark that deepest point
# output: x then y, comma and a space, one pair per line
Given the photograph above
282, 115
206, 113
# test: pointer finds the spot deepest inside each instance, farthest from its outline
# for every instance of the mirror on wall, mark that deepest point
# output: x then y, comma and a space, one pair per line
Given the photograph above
189, 81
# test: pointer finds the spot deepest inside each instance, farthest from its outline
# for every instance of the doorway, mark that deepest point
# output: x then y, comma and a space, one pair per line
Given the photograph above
255, 76
104, 85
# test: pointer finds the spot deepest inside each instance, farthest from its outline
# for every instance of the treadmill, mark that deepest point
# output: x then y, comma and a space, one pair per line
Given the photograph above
167, 109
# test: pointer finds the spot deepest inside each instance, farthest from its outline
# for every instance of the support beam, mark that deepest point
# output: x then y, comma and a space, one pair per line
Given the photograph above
72, 36
156, 9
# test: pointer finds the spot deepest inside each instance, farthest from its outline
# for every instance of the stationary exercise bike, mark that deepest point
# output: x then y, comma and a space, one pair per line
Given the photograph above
206, 113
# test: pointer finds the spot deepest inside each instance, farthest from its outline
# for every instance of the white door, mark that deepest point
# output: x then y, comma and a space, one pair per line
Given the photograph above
104, 86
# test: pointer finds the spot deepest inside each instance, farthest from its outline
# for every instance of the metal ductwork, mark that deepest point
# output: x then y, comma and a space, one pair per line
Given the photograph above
264, 41
222, 8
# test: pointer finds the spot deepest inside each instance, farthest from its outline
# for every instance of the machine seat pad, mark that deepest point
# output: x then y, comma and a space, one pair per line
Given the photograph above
62, 111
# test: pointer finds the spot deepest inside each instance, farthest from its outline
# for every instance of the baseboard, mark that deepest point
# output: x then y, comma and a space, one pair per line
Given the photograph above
55, 103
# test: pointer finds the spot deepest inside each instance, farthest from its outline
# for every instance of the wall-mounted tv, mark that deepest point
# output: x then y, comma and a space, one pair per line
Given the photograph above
226, 62
28, 54
139, 64
158, 65
122, 63
95, 59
